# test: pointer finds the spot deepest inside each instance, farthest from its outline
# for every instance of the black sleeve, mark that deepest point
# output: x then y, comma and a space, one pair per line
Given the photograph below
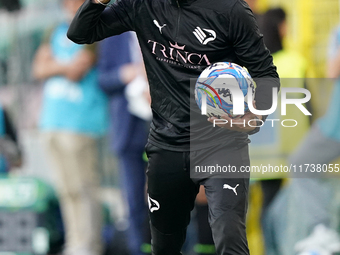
252, 53
9, 129
93, 22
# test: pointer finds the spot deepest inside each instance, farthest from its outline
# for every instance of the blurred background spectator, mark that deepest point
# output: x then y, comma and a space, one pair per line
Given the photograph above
73, 116
316, 231
120, 65
292, 69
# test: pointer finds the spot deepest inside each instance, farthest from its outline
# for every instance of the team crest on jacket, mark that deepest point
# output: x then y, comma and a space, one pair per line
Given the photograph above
204, 35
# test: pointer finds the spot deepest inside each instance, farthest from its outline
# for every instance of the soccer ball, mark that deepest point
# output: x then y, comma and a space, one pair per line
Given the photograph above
217, 82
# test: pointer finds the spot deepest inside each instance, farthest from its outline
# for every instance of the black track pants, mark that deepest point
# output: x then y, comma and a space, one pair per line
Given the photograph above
172, 193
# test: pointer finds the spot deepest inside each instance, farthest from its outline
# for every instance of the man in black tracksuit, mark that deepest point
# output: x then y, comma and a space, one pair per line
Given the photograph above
179, 39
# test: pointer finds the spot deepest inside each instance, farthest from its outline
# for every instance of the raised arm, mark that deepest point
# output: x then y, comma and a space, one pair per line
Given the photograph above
93, 22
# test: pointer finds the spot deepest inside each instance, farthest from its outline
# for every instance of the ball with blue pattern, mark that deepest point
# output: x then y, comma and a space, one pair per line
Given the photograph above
219, 79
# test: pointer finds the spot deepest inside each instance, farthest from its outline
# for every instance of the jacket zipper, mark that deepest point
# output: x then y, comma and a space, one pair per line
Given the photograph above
178, 19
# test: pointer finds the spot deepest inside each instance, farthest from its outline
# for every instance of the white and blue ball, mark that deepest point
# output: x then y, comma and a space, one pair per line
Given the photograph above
222, 78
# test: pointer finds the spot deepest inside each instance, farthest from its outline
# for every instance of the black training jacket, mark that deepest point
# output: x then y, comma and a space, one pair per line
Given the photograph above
178, 40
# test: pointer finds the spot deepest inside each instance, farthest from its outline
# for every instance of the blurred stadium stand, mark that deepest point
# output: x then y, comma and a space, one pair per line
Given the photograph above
30, 218
21, 33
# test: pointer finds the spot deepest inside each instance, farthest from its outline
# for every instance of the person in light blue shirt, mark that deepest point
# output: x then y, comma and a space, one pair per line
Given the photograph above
74, 115
73, 105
